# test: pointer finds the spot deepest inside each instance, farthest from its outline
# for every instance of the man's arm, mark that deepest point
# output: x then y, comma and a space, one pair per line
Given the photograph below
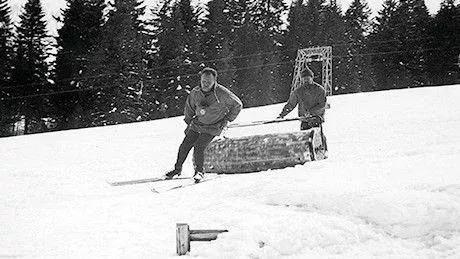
189, 109
290, 105
235, 106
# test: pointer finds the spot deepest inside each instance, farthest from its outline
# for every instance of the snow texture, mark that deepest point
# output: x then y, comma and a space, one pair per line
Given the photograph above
390, 188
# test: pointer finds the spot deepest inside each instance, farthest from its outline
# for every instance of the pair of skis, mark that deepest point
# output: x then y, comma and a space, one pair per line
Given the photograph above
190, 182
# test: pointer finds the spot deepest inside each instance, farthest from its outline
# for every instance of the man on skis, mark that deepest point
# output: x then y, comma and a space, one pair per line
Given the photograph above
311, 99
208, 109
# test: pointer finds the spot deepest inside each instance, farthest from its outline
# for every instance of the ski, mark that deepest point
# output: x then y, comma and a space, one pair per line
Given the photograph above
184, 185
145, 180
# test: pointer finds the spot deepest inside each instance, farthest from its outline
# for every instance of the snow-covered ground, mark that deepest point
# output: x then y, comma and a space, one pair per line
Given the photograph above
390, 189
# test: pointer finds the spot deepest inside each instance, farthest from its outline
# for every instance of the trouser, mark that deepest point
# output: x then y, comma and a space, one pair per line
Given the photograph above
199, 142
306, 125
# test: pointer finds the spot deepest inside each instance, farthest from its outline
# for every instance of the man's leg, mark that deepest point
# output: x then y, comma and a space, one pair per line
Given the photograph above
198, 151
306, 126
185, 147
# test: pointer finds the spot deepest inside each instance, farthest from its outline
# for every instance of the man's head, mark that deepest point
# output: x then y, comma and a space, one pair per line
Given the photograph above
307, 75
208, 79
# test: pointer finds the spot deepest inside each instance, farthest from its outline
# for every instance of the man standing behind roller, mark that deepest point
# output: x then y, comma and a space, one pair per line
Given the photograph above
208, 109
311, 98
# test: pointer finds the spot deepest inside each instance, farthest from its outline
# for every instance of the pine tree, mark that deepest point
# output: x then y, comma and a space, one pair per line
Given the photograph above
446, 36
217, 40
267, 17
160, 51
384, 42
304, 24
293, 39
401, 38
333, 33
357, 27
117, 67
82, 20
257, 30
80, 32
177, 51
357, 17
295, 26
30, 61
6, 51
30, 72
414, 38
246, 48
238, 13
318, 13
6, 34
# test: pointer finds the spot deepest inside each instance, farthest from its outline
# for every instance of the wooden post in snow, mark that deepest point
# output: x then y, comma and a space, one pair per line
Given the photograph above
184, 235
182, 238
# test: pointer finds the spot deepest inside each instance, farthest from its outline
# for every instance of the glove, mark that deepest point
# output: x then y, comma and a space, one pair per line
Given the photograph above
188, 121
224, 123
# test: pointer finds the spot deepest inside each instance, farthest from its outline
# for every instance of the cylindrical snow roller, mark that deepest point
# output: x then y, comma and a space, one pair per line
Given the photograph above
262, 152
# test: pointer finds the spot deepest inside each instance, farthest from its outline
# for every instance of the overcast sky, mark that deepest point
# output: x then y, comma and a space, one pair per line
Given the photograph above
53, 7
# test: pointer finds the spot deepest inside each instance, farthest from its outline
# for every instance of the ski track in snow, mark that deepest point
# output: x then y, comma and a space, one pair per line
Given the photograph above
390, 188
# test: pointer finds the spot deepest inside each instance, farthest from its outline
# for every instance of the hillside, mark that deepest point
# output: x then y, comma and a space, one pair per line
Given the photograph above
390, 188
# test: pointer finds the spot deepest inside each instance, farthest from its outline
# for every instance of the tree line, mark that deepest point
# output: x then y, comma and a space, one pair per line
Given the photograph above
121, 62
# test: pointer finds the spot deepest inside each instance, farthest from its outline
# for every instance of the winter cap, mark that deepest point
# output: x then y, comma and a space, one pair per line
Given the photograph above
307, 72
209, 71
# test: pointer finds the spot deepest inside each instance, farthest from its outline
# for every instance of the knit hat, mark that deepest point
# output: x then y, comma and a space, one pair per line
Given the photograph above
307, 72
210, 71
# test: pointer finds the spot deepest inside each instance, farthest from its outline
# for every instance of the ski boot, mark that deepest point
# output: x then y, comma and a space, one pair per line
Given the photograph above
172, 173
198, 177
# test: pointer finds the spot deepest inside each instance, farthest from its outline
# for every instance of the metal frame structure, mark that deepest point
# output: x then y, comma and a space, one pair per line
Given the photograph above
305, 56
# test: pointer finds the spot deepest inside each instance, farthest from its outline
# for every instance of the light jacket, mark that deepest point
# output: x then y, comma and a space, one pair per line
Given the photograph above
210, 112
311, 99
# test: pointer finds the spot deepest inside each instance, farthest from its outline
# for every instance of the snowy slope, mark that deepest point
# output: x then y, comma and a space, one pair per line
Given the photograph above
390, 189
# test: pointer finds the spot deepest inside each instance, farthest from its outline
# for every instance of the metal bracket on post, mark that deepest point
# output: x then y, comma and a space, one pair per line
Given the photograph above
184, 235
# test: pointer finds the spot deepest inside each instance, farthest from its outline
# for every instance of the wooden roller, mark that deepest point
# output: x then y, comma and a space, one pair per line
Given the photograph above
262, 152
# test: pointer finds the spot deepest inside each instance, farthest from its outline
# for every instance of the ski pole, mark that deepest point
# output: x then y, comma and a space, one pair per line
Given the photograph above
256, 123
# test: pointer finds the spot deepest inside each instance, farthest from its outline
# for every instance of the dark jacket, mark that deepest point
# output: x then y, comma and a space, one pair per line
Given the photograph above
210, 112
311, 99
